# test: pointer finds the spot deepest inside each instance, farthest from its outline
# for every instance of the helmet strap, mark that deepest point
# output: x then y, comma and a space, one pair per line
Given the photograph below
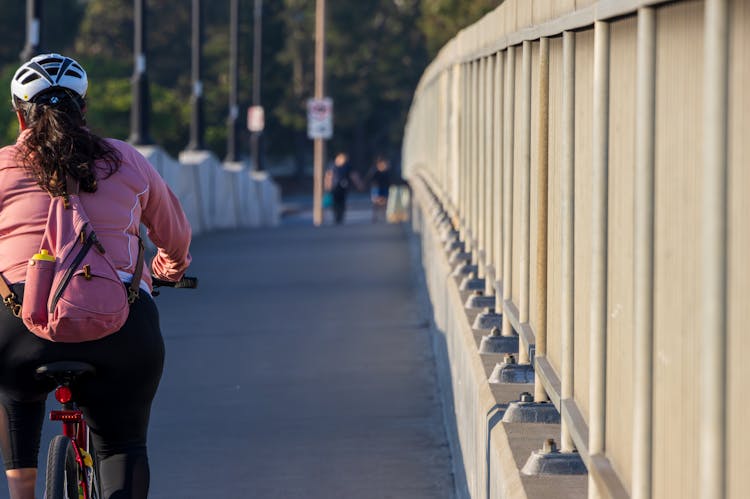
21, 119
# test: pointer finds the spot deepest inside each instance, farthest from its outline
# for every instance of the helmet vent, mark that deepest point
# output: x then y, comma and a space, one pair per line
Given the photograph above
30, 78
53, 71
50, 60
72, 73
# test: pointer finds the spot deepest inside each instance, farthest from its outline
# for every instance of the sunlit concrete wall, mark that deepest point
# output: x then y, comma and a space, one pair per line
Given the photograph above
629, 262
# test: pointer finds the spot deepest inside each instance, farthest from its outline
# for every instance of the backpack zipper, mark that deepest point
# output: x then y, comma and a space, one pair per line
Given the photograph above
88, 243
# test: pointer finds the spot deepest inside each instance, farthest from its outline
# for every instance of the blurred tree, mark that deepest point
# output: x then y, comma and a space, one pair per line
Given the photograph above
297, 56
375, 60
442, 19
12, 30
376, 52
60, 23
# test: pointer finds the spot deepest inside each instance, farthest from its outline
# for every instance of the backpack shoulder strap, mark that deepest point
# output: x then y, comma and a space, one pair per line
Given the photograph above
135, 284
72, 187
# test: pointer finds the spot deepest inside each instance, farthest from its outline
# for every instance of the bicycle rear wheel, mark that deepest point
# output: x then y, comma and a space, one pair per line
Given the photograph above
62, 470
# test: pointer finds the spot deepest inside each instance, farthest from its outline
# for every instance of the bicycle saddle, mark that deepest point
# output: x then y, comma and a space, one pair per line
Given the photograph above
65, 371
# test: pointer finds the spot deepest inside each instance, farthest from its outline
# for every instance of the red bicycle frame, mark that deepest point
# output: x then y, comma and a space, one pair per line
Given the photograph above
74, 427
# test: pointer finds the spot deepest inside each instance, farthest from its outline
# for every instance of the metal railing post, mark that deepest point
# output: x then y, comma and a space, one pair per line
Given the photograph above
540, 395
488, 171
474, 165
525, 170
234, 110
499, 142
455, 134
33, 30
713, 431
141, 105
643, 333
464, 159
510, 98
567, 222
196, 123
479, 198
600, 174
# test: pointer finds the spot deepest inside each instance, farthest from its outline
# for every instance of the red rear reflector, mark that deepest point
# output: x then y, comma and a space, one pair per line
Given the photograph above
63, 394
65, 416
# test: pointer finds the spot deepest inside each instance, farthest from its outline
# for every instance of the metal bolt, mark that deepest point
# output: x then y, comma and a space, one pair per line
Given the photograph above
478, 292
526, 397
549, 446
495, 332
509, 358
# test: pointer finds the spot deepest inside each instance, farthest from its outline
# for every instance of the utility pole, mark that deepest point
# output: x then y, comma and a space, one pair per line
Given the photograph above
234, 22
33, 29
256, 137
139, 111
196, 123
319, 151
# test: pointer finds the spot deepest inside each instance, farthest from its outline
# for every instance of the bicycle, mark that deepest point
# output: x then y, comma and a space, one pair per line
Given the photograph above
71, 470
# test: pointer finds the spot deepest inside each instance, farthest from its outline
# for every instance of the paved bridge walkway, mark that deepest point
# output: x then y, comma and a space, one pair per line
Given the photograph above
301, 368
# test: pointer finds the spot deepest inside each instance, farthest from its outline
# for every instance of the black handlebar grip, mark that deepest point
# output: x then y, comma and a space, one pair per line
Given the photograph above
187, 282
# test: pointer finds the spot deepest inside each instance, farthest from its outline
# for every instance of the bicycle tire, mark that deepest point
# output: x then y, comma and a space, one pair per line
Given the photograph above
62, 470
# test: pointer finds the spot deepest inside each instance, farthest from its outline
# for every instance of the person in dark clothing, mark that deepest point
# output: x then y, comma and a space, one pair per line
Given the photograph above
379, 180
338, 181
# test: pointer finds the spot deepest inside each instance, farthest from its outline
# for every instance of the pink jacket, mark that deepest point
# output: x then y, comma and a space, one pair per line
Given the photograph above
135, 194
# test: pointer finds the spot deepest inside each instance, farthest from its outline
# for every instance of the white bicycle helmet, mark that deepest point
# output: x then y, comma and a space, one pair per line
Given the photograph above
47, 71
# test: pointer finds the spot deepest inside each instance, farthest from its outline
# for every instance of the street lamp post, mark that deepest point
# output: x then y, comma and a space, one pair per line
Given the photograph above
255, 137
139, 113
319, 148
197, 124
33, 29
232, 132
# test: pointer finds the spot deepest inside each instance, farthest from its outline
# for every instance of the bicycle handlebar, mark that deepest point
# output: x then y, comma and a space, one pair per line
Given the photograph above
186, 283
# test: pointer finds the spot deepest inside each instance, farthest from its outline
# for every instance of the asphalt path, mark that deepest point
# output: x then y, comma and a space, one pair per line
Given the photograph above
301, 368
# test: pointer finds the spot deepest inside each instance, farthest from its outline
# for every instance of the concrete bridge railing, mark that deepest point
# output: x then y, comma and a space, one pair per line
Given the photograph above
583, 166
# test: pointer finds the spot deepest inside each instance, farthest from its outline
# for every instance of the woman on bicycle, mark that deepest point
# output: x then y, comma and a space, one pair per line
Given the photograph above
119, 191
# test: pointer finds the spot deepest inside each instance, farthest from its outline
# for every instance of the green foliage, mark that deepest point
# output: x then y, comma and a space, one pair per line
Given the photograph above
376, 52
442, 19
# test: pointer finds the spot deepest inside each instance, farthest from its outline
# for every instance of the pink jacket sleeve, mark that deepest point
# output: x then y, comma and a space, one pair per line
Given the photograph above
168, 228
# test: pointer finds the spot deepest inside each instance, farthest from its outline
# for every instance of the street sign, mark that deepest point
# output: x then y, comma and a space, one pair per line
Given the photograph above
255, 118
320, 118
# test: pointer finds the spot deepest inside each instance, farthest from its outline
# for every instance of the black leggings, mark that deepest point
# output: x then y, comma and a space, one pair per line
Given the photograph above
116, 402
339, 204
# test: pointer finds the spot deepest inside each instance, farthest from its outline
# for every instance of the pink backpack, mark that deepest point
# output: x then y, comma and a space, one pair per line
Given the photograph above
72, 292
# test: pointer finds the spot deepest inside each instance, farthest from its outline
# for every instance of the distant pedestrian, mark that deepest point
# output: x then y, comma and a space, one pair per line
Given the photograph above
338, 180
379, 180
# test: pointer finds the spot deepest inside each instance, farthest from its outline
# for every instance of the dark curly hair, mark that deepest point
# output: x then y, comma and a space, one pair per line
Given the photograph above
59, 143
